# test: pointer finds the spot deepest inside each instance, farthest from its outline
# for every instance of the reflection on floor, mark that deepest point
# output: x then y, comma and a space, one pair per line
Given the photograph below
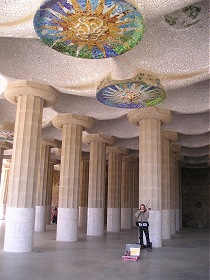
185, 256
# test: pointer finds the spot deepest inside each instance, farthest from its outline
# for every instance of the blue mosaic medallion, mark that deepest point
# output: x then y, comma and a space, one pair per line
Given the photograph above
140, 92
91, 29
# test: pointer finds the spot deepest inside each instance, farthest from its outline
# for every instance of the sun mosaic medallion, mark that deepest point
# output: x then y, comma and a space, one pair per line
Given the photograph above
141, 92
91, 29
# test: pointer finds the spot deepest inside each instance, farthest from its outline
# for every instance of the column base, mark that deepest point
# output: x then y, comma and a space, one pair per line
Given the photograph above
166, 230
95, 221
126, 218
67, 225
19, 230
155, 228
173, 221
113, 219
82, 216
40, 219
177, 220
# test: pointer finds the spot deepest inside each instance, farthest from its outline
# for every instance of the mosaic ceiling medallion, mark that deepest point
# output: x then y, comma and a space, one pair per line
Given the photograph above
91, 29
140, 92
6, 135
187, 16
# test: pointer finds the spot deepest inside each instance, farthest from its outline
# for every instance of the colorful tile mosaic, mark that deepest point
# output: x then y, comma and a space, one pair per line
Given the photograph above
141, 92
187, 16
91, 29
6, 135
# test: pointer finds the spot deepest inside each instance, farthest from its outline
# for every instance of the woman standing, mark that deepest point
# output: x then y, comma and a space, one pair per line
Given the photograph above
142, 222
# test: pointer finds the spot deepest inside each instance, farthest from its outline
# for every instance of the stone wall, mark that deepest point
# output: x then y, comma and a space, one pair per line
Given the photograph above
195, 197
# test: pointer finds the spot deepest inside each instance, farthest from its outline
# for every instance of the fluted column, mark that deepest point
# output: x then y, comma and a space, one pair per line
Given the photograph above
4, 187
173, 149
127, 192
41, 193
52, 163
72, 126
149, 121
135, 190
83, 192
178, 158
4, 145
114, 187
30, 98
166, 137
97, 169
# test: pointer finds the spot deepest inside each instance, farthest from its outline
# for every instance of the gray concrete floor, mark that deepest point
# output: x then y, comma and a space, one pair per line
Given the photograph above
185, 256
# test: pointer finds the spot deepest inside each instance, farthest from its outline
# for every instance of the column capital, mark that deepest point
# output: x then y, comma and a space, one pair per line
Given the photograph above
130, 159
136, 115
67, 119
5, 145
117, 150
51, 142
179, 157
24, 87
55, 161
170, 135
88, 138
175, 148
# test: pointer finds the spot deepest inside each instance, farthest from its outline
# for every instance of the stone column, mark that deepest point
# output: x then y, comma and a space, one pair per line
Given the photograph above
30, 98
114, 187
4, 187
127, 193
53, 162
173, 149
96, 192
178, 158
4, 145
72, 126
166, 137
149, 121
135, 190
41, 194
83, 192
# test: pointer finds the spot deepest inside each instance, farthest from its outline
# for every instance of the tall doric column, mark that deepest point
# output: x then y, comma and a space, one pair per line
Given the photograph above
127, 193
149, 122
178, 158
53, 162
30, 98
83, 192
114, 187
4, 187
173, 149
135, 189
96, 192
4, 145
41, 194
72, 126
166, 137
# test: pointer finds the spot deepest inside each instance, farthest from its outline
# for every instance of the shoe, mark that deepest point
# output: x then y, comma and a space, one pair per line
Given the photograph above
149, 249
142, 246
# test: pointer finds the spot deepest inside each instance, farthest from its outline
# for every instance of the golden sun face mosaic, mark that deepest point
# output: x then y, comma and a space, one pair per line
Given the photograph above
91, 29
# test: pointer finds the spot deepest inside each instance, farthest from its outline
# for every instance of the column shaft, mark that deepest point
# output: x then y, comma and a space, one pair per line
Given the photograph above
166, 232
114, 191
83, 193
127, 193
23, 175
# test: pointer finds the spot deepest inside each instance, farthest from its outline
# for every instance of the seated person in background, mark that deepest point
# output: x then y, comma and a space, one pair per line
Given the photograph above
54, 215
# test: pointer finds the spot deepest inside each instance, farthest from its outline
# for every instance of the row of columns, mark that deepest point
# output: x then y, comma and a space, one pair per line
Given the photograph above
25, 191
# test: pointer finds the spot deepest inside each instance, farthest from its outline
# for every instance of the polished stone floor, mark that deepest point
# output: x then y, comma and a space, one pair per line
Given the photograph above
185, 256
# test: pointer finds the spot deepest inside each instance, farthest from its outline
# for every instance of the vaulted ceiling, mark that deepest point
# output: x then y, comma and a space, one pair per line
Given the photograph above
174, 48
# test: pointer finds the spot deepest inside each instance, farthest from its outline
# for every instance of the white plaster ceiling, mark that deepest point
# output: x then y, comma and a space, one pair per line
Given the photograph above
178, 57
